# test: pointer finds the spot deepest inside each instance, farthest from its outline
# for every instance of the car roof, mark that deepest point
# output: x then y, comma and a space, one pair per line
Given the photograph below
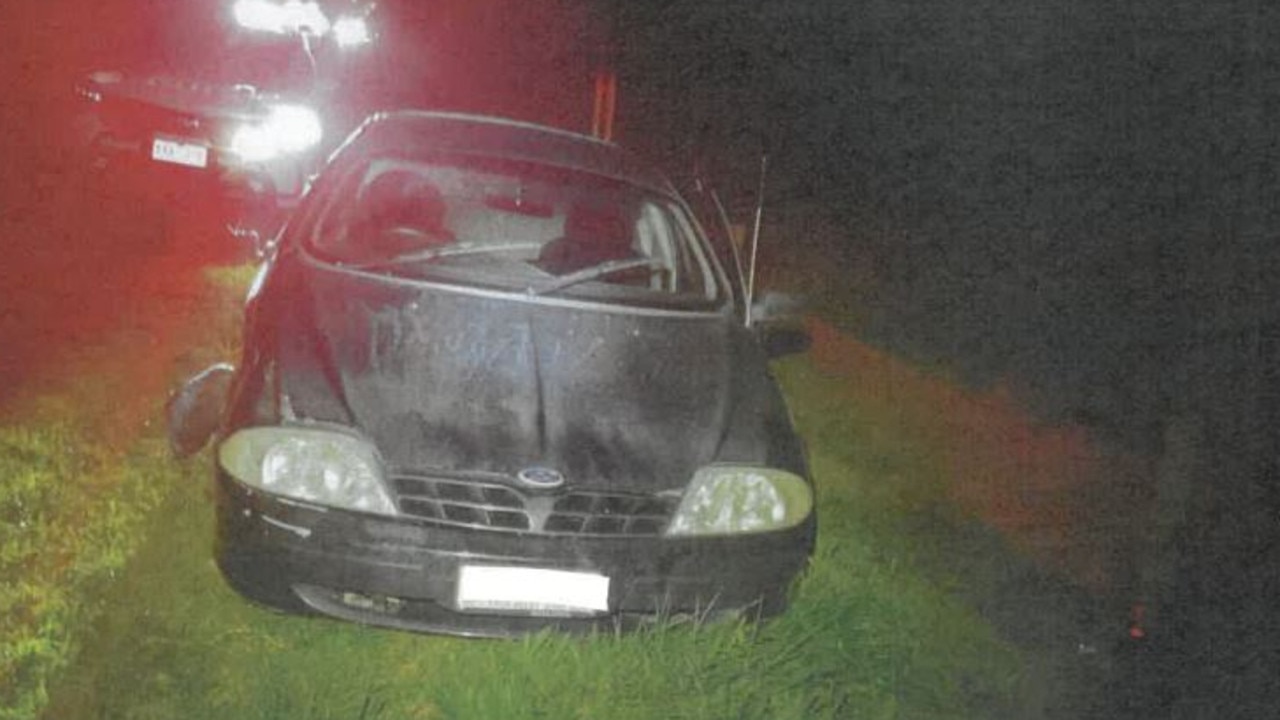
413, 131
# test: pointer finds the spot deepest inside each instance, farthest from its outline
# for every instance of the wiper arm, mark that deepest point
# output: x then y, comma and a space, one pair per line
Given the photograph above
455, 249
594, 272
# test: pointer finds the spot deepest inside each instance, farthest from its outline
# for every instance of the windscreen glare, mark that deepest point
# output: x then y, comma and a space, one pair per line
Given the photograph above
512, 225
200, 41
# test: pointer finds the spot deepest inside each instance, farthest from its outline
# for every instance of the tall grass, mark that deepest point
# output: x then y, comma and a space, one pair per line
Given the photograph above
77, 487
68, 519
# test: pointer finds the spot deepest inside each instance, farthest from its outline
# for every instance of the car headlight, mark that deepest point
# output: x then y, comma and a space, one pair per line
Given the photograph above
731, 499
281, 17
287, 129
320, 466
350, 31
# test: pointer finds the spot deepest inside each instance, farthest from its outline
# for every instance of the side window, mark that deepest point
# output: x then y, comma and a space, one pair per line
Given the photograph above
329, 236
707, 214
665, 235
654, 240
696, 268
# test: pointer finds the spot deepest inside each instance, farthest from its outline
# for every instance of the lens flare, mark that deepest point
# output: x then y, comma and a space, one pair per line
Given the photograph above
351, 32
275, 17
287, 129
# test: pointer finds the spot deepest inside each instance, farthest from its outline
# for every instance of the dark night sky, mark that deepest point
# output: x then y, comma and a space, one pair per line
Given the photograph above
1064, 191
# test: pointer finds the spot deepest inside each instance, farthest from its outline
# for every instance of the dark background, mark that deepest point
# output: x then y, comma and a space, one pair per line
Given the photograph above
1076, 200
1064, 191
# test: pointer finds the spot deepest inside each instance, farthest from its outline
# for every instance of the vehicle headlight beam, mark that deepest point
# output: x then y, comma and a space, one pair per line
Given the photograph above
350, 31
280, 17
286, 130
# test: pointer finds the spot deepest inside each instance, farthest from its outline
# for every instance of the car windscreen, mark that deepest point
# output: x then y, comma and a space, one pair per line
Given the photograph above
514, 225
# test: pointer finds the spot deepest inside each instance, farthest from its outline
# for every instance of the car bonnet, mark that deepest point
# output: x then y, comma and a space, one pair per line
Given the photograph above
452, 380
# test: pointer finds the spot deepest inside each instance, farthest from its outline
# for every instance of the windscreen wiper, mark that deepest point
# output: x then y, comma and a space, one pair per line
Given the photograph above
594, 272
453, 250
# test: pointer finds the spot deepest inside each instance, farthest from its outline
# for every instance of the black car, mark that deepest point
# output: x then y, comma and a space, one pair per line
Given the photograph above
495, 378
234, 108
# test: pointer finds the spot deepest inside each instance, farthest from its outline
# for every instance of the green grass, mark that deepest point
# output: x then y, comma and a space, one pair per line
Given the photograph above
874, 631
75, 502
69, 519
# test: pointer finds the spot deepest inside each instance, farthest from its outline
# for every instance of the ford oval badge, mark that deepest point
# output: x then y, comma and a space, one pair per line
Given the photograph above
542, 478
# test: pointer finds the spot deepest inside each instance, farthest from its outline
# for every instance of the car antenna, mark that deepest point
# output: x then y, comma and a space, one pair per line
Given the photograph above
704, 186
733, 245
755, 235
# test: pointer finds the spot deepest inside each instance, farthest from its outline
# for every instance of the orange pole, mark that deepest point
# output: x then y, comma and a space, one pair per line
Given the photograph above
597, 96
611, 104
604, 104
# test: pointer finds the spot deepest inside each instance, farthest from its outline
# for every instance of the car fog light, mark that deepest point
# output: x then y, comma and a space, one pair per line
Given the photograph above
730, 499
320, 466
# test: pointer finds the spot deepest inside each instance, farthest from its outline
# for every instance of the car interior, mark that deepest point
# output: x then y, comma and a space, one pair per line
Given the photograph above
532, 229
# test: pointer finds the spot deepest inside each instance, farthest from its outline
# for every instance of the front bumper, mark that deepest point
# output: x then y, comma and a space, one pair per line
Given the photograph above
404, 573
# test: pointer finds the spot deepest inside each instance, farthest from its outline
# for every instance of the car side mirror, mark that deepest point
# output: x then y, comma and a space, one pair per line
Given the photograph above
782, 339
194, 410
774, 307
778, 322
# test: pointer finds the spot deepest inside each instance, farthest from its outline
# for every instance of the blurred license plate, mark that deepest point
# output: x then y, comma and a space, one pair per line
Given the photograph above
531, 590
180, 153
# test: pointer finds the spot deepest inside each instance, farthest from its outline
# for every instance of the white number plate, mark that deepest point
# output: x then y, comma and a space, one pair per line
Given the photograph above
180, 153
531, 590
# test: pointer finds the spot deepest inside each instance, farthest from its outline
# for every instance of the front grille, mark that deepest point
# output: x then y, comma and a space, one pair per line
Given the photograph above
485, 503
595, 513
